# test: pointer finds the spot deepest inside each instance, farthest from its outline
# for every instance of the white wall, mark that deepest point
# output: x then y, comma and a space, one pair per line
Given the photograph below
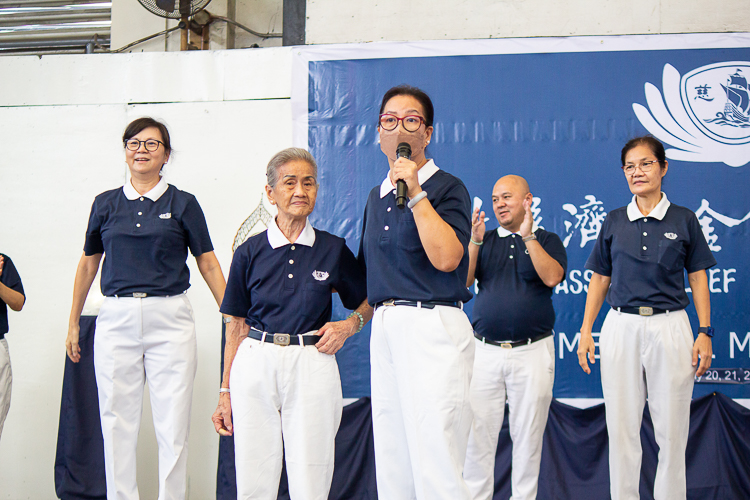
348, 21
61, 120
344, 21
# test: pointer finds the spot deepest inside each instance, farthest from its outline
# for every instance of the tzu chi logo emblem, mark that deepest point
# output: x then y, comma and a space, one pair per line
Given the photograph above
320, 275
704, 115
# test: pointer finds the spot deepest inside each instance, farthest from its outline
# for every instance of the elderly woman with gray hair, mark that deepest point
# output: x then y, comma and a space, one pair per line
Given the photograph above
279, 358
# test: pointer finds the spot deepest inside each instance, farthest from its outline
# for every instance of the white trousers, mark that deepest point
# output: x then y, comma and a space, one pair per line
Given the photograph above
6, 382
145, 340
525, 376
421, 361
647, 356
284, 397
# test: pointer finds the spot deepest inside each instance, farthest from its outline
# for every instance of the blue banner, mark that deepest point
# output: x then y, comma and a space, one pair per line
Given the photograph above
559, 120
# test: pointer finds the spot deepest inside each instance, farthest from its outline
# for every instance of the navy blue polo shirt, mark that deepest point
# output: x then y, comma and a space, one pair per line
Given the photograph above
390, 248
646, 255
12, 280
145, 239
513, 303
283, 287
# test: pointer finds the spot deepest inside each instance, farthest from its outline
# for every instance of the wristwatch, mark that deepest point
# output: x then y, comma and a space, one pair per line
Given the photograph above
708, 330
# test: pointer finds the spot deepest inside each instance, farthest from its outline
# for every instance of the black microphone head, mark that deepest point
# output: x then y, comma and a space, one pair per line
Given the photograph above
403, 150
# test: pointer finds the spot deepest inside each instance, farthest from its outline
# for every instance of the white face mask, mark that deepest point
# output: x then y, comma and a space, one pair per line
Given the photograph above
389, 142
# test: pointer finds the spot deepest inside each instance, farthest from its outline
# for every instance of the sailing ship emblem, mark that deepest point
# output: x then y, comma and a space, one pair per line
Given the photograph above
738, 101
704, 115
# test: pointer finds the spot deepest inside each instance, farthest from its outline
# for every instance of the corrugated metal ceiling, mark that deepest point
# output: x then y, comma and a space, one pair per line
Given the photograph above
54, 26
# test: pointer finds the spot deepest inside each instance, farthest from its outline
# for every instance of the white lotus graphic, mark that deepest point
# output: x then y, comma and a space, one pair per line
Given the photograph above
704, 115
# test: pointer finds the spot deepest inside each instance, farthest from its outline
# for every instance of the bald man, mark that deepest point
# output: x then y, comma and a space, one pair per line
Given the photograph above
516, 268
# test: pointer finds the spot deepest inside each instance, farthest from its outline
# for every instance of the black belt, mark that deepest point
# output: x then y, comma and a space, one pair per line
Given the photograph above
426, 304
641, 311
283, 338
510, 344
137, 295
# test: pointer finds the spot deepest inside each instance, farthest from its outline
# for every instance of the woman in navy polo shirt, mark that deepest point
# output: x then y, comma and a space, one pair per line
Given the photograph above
646, 343
278, 359
13, 296
145, 330
422, 345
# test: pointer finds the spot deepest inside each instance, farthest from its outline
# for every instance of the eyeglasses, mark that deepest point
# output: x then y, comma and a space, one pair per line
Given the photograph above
411, 123
151, 144
645, 167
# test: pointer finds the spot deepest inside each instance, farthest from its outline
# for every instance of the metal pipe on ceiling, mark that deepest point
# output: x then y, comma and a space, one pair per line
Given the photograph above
43, 26
9, 20
15, 4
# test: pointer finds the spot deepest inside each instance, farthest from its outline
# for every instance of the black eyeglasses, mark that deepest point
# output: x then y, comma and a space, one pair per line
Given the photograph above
134, 144
645, 167
411, 123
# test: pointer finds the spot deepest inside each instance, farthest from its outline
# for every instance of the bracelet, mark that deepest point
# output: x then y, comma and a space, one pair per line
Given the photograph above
226, 319
222, 390
361, 320
529, 238
422, 195
477, 243
708, 330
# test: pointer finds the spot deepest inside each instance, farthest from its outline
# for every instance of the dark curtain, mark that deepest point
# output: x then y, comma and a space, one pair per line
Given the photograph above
574, 457
79, 464
575, 462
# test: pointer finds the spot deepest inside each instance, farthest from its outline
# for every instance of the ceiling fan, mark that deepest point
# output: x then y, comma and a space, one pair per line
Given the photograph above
176, 9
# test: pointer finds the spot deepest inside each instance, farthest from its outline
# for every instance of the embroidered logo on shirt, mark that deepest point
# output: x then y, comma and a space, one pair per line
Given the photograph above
320, 275
671, 236
167, 215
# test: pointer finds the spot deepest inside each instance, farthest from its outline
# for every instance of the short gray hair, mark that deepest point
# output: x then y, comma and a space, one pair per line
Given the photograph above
283, 157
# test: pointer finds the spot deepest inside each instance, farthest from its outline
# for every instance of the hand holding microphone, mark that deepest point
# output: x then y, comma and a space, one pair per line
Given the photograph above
402, 151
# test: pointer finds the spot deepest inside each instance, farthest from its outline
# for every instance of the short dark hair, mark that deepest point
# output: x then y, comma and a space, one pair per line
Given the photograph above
656, 147
136, 126
418, 94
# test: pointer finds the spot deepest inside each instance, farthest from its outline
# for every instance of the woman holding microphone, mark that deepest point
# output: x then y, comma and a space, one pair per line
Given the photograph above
646, 343
421, 348
145, 330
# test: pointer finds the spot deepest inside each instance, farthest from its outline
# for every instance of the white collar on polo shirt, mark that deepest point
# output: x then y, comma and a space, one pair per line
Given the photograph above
424, 173
502, 232
277, 239
659, 211
153, 195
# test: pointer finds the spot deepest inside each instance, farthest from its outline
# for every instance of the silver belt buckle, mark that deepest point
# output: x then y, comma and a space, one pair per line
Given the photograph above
646, 311
281, 338
139, 295
506, 345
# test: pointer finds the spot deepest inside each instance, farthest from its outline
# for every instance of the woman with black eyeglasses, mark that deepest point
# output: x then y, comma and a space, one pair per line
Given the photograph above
145, 329
422, 345
646, 343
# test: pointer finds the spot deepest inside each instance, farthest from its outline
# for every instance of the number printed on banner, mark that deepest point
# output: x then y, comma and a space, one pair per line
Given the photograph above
724, 376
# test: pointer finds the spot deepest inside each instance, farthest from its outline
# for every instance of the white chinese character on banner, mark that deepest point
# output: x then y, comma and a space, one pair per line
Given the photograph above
588, 222
536, 211
706, 216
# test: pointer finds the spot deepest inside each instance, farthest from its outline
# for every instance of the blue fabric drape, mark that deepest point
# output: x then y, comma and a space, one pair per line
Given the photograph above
575, 462
574, 457
79, 464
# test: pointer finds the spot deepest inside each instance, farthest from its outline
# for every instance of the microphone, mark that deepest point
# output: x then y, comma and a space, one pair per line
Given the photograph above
402, 151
